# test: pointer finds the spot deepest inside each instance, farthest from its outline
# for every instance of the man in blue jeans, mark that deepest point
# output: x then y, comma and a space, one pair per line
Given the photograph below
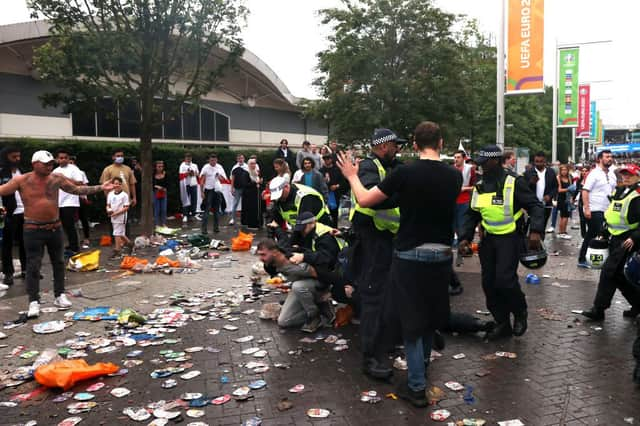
239, 179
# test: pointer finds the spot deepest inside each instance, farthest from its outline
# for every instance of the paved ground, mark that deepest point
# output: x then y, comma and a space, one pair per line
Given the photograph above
566, 372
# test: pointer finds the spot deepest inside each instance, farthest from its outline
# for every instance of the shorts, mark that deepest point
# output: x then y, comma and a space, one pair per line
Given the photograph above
119, 229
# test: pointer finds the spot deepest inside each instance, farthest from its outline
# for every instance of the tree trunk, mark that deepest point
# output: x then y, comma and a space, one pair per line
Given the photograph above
146, 158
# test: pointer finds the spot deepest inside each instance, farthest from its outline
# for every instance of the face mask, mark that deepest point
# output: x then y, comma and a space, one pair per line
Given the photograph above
119, 160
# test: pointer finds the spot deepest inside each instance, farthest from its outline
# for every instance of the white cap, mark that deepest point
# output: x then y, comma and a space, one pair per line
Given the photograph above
276, 186
42, 157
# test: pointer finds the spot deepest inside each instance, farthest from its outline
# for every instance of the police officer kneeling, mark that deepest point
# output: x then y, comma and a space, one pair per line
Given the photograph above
497, 202
623, 219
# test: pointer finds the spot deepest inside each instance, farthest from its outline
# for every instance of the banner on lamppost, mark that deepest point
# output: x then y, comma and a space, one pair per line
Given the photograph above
525, 47
594, 123
584, 105
568, 87
598, 128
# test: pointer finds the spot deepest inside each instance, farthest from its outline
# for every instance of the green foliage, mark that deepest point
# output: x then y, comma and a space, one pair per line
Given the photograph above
94, 156
139, 52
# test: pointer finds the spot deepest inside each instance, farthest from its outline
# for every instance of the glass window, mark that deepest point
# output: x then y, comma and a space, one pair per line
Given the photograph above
83, 119
173, 123
191, 121
208, 125
157, 119
107, 118
222, 127
130, 120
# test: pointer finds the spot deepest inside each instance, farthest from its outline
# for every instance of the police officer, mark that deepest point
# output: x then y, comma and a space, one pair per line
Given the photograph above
292, 199
374, 229
623, 219
497, 201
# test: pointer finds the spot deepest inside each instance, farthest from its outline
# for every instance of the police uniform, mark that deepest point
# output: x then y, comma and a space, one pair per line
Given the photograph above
301, 199
497, 202
374, 230
622, 218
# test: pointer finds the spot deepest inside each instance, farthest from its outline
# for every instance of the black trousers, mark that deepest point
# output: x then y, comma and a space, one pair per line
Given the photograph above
84, 219
372, 255
594, 227
210, 201
68, 218
11, 235
499, 257
612, 278
35, 240
192, 208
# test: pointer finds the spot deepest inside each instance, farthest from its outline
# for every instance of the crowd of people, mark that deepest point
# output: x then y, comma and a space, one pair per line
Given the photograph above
394, 266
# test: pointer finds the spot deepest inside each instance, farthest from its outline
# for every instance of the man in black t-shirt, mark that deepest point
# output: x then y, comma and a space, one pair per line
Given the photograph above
422, 262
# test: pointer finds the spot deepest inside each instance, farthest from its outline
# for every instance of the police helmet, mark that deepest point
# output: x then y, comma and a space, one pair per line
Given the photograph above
534, 259
597, 253
632, 270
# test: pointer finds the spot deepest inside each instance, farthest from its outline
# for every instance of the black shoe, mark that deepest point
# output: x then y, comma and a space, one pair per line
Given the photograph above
501, 330
376, 370
455, 291
312, 325
216, 230
438, 342
416, 398
629, 313
519, 323
594, 314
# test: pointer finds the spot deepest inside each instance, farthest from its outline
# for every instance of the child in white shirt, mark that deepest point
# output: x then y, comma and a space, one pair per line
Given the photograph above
117, 207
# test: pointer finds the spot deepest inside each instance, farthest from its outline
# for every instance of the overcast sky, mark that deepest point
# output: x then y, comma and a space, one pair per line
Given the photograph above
286, 34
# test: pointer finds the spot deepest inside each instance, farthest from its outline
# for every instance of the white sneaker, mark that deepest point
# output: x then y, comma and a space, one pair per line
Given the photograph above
184, 219
34, 310
3, 287
231, 222
62, 301
550, 229
565, 236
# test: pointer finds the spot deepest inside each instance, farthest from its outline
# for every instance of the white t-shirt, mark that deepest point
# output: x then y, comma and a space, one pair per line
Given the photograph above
212, 175
541, 184
117, 202
600, 185
19, 206
297, 176
64, 198
184, 168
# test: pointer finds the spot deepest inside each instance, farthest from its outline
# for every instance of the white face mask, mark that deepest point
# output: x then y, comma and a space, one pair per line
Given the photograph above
119, 160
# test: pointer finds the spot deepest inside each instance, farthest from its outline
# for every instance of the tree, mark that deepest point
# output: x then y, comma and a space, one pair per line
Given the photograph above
145, 52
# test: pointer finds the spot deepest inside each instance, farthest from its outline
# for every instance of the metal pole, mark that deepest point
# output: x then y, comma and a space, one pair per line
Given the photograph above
554, 124
500, 80
582, 154
573, 144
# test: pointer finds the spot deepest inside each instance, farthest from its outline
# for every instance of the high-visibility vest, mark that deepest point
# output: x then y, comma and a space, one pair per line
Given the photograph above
616, 215
498, 217
290, 216
322, 229
384, 220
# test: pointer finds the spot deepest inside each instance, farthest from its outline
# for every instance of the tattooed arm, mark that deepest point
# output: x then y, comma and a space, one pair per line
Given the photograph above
67, 185
12, 186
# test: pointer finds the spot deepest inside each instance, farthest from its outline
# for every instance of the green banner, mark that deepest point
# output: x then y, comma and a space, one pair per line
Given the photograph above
568, 87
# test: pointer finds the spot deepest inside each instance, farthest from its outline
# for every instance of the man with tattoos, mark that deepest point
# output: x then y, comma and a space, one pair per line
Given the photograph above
42, 227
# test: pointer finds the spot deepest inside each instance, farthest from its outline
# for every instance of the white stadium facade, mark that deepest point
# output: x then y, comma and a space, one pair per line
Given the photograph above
250, 108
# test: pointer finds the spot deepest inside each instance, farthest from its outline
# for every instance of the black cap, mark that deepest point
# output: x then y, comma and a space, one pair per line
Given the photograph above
487, 153
385, 135
303, 219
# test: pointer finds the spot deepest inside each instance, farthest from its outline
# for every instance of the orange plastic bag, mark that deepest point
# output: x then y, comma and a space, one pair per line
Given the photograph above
65, 374
105, 241
343, 316
130, 261
242, 242
163, 260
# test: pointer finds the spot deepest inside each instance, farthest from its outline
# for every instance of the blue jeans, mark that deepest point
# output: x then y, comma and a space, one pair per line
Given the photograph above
458, 218
210, 201
192, 208
418, 355
554, 217
237, 196
159, 210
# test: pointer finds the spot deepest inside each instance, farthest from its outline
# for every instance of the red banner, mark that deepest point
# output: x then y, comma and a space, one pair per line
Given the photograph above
584, 110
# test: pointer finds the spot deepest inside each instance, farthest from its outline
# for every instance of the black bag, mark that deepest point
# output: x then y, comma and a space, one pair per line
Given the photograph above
241, 178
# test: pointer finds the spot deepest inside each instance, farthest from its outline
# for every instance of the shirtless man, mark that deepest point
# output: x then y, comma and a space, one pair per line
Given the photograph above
42, 227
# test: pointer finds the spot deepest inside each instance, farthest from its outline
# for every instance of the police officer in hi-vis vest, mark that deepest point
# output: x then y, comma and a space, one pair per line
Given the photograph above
497, 202
374, 229
622, 218
292, 199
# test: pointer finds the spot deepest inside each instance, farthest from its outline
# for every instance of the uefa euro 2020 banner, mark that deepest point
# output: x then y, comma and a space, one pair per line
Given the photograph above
525, 52
568, 60
584, 111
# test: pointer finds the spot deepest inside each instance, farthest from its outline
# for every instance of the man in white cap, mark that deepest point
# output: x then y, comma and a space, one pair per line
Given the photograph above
291, 200
42, 227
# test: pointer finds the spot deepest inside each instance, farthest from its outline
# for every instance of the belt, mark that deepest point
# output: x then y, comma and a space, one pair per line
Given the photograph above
427, 253
33, 224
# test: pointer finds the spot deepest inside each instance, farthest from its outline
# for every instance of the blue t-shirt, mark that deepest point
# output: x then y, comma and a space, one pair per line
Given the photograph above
308, 179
